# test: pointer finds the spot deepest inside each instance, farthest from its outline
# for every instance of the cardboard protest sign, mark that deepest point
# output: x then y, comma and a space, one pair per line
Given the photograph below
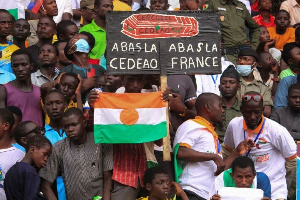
163, 42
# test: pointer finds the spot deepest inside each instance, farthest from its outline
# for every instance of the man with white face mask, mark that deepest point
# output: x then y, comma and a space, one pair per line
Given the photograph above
246, 63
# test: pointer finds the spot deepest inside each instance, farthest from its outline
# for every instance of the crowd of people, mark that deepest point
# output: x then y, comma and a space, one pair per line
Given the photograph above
236, 129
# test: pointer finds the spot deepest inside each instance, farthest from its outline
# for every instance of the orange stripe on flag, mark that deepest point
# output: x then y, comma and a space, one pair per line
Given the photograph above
130, 100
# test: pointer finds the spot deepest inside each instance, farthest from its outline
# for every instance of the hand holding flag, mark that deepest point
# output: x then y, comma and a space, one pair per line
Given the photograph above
35, 5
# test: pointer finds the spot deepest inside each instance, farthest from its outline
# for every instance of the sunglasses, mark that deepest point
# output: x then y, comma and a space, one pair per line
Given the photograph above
255, 97
36, 130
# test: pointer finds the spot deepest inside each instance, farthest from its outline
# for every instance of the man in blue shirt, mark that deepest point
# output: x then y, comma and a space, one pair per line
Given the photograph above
280, 99
54, 106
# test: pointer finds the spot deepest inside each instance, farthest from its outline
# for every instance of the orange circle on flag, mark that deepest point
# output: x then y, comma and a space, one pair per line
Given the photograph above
129, 116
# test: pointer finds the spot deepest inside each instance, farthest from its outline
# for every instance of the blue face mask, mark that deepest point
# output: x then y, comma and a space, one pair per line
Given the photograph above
244, 70
82, 46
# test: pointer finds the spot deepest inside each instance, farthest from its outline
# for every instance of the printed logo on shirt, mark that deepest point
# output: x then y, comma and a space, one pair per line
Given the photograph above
262, 141
261, 158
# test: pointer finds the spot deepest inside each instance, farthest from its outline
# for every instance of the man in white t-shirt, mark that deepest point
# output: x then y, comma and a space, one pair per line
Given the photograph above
65, 11
197, 148
274, 144
8, 155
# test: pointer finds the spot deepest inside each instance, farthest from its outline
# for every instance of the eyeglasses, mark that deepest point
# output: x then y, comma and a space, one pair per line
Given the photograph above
37, 130
255, 97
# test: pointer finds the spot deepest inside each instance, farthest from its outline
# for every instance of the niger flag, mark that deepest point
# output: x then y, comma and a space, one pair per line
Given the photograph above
129, 118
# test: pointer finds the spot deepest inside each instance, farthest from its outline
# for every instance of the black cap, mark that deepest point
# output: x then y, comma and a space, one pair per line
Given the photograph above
231, 72
247, 51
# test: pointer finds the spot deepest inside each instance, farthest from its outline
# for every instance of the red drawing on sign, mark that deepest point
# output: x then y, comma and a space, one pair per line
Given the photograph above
151, 25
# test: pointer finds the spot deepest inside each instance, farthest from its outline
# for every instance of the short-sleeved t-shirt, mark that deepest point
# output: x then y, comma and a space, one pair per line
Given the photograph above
197, 177
276, 144
8, 157
22, 180
81, 167
184, 86
100, 39
286, 72
5, 58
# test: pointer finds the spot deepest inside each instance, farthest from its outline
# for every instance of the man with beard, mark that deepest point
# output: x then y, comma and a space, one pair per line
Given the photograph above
48, 56
98, 28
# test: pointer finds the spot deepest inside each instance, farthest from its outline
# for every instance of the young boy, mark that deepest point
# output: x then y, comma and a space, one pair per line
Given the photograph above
265, 17
291, 56
69, 84
54, 107
157, 183
18, 118
22, 180
8, 155
20, 32
282, 33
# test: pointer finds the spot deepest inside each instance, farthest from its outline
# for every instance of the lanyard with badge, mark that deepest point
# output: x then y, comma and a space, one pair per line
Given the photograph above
257, 136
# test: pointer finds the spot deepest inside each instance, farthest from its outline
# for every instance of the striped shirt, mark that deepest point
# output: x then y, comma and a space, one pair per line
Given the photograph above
81, 167
130, 164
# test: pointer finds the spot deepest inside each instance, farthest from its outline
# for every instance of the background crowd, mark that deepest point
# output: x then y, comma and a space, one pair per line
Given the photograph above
235, 129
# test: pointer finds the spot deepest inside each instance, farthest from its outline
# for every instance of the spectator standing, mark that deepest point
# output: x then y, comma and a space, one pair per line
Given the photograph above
66, 30
6, 47
48, 57
97, 28
234, 18
21, 92
229, 85
9, 155
20, 33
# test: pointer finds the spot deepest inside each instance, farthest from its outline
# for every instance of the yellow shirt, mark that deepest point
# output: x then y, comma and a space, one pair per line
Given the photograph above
121, 6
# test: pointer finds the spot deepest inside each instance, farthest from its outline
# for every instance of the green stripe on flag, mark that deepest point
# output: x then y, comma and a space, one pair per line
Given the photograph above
14, 13
120, 133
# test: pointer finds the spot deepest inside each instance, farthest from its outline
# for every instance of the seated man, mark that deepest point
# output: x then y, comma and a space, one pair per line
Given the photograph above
289, 116
241, 175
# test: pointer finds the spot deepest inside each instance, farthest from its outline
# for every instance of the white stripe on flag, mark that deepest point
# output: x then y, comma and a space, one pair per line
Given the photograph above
150, 116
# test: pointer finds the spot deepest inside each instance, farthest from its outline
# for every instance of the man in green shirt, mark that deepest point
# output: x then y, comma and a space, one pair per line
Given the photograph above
291, 56
235, 19
229, 85
97, 29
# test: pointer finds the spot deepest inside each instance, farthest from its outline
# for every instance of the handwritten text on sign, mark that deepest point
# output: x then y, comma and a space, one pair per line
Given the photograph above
174, 42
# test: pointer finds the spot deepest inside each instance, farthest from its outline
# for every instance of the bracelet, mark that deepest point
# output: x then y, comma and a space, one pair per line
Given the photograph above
184, 112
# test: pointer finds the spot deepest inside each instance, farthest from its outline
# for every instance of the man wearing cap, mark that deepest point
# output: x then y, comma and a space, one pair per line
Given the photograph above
87, 11
235, 19
98, 29
275, 148
246, 62
229, 85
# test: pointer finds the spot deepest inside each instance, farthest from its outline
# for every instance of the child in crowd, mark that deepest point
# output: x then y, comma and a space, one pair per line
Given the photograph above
291, 56
22, 180
20, 32
268, 71
267, 45
158, 184
18, 118
9, 155
265, 17
282, 33
69, 84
